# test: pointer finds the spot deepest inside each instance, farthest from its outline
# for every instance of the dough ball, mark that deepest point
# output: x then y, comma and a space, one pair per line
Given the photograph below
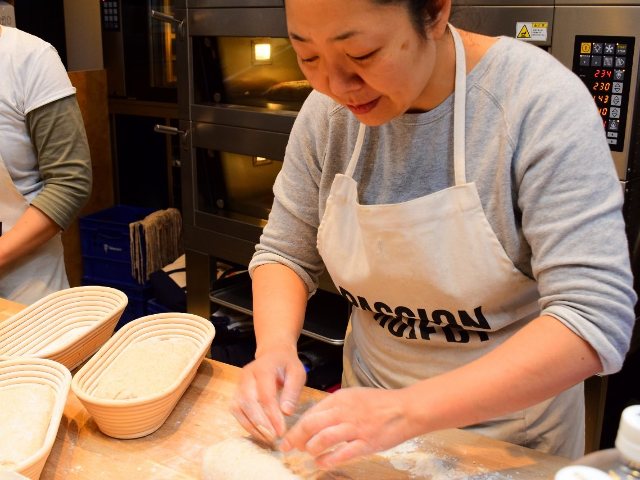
25, 416
242, 459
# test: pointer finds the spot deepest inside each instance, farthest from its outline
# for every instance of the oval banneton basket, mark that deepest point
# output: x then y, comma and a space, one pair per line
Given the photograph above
38, 371
137, 417
67, 326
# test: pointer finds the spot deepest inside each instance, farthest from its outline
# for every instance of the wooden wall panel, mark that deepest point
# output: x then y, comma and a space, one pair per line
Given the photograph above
91, 92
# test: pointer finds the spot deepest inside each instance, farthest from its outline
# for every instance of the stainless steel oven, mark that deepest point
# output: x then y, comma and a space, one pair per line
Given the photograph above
240, 89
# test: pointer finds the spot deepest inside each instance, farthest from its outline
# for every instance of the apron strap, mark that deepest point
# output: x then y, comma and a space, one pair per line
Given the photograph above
459, 109
356, 151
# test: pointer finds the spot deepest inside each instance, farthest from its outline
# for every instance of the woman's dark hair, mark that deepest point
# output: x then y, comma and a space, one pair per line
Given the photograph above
422, 12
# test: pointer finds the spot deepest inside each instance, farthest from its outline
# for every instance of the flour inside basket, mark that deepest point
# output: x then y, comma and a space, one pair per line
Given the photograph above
145, 368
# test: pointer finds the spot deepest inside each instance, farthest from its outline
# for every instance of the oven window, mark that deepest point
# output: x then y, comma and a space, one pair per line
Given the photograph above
162, 47
236, 186
248, 71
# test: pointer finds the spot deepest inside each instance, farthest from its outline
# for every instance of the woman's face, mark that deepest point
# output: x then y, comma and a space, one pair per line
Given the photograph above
365, 56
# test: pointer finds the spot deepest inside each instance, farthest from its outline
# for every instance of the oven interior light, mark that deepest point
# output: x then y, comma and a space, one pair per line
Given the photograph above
259, 161
262, 51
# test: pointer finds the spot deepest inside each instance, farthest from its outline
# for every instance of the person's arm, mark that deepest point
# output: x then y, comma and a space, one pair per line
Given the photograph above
64, 161
271, 385
32, 230
285, 271
540, 361
278, 292
58, 135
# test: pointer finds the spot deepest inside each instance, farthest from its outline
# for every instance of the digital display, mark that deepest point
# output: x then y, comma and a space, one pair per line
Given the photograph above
604, 65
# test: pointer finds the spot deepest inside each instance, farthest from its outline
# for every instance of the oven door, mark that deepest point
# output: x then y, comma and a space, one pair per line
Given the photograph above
139, 51
243, 70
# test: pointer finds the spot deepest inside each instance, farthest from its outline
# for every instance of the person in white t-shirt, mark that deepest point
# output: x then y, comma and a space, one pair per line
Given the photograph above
45, 166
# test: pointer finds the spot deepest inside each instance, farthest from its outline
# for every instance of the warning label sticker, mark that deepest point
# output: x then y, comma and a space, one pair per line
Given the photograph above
533, 31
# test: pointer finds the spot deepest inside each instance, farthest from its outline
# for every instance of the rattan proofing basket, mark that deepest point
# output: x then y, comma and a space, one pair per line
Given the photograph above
67, 326
133, 418
17, 371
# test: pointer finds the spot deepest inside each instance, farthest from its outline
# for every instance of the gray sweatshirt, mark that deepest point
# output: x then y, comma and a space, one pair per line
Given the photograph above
535, 148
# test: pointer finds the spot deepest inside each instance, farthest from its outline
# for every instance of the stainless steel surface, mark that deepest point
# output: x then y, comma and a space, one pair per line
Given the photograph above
497, 20
247, 22
608, 3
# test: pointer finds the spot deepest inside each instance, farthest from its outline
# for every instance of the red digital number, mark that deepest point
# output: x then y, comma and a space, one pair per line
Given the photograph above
601, 86
602, 73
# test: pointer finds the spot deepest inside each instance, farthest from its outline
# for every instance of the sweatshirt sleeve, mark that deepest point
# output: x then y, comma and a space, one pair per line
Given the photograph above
571, 204
289, 238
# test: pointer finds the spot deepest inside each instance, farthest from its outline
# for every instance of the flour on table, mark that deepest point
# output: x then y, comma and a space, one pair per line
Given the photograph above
242, 459
64, 340
410, 458
145, 368
25, 417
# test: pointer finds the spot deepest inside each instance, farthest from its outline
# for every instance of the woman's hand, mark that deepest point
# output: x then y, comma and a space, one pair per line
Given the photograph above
269, 387
350, 423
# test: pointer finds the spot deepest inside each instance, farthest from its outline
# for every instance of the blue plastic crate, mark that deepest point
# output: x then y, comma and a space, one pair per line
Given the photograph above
105, 234
105, 244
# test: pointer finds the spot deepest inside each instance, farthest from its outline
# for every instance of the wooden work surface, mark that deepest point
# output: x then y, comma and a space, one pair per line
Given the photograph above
202, 418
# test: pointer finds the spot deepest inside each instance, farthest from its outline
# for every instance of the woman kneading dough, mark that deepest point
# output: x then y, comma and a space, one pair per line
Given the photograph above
460, 191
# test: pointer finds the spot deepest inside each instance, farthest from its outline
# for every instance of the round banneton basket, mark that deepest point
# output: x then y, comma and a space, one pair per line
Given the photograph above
137, 417
67, 326
37, 371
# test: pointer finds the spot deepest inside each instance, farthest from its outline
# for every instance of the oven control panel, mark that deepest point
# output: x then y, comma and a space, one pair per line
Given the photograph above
109, 10
604, 63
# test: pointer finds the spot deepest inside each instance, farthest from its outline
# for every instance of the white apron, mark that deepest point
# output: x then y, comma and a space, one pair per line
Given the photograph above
433, 289
39, 273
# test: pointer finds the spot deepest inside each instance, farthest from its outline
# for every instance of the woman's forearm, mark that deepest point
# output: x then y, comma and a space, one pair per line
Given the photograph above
540, 361
32, 230
279, 304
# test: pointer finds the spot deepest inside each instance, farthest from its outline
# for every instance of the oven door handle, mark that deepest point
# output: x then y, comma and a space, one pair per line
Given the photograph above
169, 130
163, 17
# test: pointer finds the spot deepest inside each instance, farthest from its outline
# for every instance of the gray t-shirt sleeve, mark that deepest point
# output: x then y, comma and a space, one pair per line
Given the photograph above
58, 135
